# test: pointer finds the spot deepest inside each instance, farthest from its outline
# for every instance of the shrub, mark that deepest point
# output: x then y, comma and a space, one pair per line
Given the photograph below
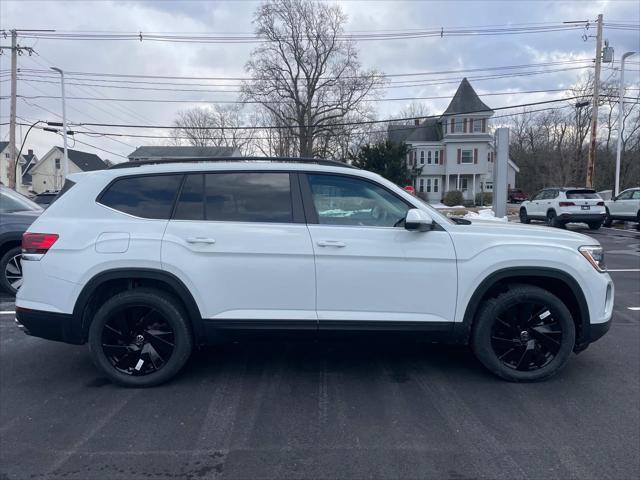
452, 198
484, 198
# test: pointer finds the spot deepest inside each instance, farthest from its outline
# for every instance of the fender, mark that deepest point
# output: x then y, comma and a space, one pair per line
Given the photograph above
180, 290
462, 330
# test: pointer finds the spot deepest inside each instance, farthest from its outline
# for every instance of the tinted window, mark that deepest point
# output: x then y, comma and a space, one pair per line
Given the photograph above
191, 201
341, 200
575, 194
636, 195
147, 196
11, 201
236, 197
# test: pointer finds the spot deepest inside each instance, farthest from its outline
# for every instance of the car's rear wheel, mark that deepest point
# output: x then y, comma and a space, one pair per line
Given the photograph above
140, 338
552, 220
607, 219
525, 334
11, 270
524, 218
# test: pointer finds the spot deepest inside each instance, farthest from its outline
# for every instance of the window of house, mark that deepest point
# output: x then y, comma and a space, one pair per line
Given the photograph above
6, 155
429, 157
477, 125
428, 185
435, 185
421, 187
436, 156
458, 126
466, 156
422, 157
488, 186
57, 162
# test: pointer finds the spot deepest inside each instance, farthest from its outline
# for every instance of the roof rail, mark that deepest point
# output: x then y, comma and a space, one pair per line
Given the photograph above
315, 161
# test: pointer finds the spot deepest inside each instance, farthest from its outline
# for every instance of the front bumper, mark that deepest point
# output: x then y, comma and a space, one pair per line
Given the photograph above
59, 327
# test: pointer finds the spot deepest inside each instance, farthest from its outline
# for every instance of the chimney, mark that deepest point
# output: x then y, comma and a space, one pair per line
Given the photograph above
416, 121
30, 152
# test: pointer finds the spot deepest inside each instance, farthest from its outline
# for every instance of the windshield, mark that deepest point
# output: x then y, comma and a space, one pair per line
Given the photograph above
11, 201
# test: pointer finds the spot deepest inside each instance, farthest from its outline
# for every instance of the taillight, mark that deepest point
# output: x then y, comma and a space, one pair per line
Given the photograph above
600, 204
567, 204
38, 242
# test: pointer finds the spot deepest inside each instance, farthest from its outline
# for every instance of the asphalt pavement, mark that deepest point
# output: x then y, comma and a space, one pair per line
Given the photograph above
329, 409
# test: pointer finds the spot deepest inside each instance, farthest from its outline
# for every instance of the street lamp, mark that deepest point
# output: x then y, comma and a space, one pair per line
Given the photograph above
65, 169
620, 121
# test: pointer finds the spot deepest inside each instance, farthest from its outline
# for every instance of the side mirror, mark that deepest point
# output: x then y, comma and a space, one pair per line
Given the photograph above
418, 220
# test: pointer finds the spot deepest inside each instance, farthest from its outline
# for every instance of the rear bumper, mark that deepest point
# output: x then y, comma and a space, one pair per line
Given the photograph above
59, 327
577, 217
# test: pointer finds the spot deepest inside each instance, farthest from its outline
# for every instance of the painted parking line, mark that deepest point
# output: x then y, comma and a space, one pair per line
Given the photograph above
635, 309
623, 269
7, 312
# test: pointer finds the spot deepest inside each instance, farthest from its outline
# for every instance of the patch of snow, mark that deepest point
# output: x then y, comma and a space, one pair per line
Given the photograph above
485, 215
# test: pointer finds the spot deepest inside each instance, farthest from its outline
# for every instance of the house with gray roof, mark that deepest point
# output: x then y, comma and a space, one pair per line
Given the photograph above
454, 151
179, 152
47, 174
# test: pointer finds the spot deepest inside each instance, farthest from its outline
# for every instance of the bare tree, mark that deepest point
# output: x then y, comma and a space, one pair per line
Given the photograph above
305, 72
214, 126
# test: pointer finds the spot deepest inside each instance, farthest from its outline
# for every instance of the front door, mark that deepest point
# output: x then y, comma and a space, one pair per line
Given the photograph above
239, 242
370, 271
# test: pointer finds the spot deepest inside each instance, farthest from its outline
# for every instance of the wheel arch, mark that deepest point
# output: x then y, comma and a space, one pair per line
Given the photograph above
105, 284
556, 281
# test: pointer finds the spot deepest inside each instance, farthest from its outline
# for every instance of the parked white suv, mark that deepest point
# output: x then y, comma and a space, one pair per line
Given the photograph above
625, 206
145, 263
559, 206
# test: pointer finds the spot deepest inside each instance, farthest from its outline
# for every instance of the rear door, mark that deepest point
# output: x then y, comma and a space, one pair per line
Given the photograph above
239, 241
371, 272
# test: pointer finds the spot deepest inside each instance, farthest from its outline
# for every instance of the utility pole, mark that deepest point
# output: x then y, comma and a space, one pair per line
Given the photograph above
594, 109
620, 121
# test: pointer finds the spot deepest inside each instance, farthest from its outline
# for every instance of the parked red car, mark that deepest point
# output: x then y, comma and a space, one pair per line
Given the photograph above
516, 195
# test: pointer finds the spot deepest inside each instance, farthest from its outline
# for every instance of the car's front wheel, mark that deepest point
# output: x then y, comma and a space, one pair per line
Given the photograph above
140, 338
524, 218
607, 219
11, 270
524, 334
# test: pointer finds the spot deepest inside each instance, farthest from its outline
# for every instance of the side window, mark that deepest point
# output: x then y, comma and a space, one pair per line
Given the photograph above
190, 204
636, 195
149, 196
627, 195
341, 200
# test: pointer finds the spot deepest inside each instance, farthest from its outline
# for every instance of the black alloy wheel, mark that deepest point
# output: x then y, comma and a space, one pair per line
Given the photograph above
526, 337
137, 340
524, 334
11, 270
524, 218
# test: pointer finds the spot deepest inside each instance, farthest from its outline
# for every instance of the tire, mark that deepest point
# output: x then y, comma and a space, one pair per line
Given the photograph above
547, 342
607, 219
157, 343
524, 218
11, 270
595, 225
552, 220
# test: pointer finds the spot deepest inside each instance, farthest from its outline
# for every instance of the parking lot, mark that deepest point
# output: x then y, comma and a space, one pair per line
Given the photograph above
329, 409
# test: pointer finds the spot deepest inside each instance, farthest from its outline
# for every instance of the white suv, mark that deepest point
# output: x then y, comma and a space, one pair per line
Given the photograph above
625, 206
145, 263
559, 206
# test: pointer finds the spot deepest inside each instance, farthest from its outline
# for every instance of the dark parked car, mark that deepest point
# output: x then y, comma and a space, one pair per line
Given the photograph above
516, 195
45, 199
16, 214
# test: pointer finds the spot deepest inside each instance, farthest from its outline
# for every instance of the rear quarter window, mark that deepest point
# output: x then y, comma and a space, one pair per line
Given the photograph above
149, 196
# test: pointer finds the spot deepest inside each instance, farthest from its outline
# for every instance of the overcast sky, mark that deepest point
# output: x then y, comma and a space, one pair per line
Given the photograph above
210, 60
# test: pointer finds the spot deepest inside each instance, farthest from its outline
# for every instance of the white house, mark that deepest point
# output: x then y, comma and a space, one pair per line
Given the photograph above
455, 151
175, 153
47, 174
5, 158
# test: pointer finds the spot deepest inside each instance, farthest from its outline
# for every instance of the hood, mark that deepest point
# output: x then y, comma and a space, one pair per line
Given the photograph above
533, 233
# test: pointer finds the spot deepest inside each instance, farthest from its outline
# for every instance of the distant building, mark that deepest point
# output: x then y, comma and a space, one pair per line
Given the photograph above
173, 153
47, 174
30, 161
455, 151
5, 157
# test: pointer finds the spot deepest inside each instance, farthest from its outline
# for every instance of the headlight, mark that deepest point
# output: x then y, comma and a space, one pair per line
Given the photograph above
595, 256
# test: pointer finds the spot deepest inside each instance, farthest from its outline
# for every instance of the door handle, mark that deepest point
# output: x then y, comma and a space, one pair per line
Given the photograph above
207, 240
331, 243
